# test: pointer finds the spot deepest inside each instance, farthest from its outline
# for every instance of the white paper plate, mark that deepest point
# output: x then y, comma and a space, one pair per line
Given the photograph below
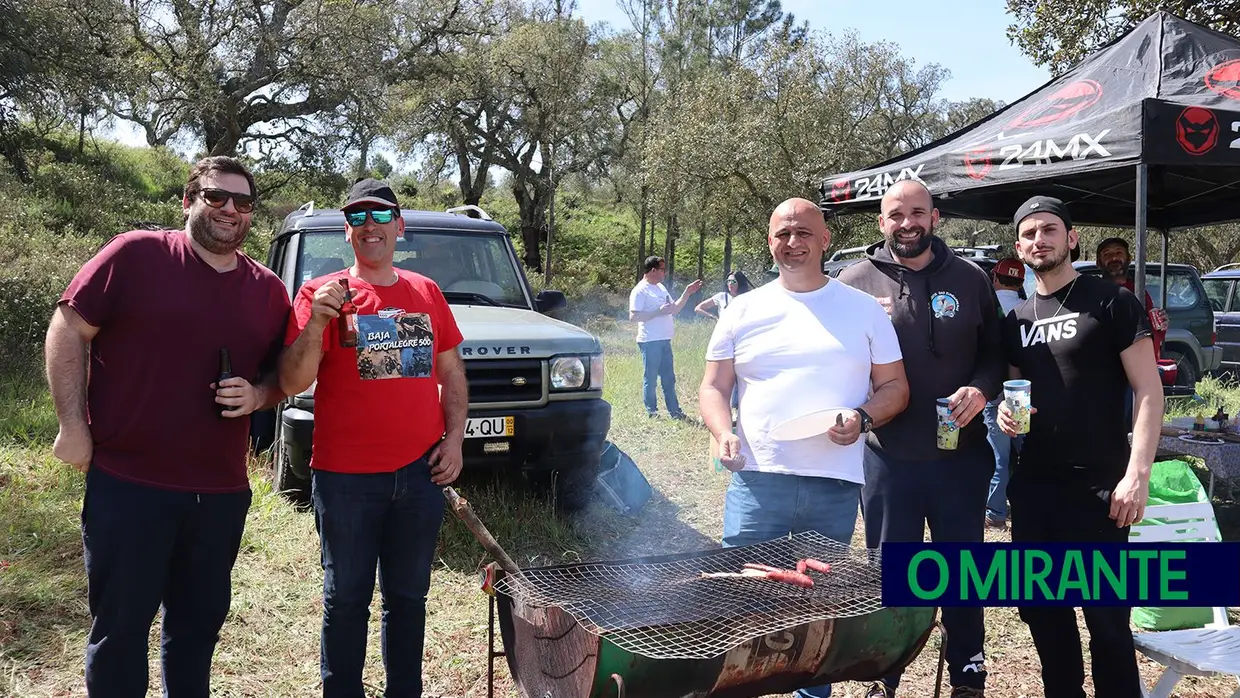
807, 425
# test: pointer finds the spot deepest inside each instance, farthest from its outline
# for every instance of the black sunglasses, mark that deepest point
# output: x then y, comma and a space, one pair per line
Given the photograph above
380, 216
216, 198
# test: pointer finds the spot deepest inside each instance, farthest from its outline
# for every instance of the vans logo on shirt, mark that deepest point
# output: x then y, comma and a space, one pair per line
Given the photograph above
1052, 329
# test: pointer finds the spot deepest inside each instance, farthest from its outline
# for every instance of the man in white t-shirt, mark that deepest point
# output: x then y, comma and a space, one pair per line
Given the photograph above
652, 307
800, 344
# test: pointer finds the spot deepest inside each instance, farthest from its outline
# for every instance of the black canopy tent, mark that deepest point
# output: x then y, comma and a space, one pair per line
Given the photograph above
1144, 133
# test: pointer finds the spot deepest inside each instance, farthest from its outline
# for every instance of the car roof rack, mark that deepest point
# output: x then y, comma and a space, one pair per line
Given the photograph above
468, 207
308, 207
1228, 266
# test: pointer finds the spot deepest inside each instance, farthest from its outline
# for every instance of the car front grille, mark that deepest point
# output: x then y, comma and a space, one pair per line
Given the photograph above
504, 380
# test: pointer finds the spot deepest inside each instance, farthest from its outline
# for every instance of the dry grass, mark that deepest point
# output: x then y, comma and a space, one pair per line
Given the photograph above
269, 646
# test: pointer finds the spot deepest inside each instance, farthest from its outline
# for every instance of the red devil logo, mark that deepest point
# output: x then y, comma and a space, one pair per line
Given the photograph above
1196, 130
1224, 79
841, 190
1060, 104
977, 162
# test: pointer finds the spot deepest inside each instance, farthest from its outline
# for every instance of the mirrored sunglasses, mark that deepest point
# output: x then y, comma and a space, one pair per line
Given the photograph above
379, 216
216, 198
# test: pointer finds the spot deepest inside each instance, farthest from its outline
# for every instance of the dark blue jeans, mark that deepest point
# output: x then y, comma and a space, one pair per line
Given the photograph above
145, 547
658, 366
388, 520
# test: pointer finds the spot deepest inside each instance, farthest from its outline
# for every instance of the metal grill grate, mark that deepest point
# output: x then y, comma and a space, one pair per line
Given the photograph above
663, 609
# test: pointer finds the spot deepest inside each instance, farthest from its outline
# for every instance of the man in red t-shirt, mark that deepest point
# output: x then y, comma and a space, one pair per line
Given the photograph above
133, 352
385, 441
1113, 257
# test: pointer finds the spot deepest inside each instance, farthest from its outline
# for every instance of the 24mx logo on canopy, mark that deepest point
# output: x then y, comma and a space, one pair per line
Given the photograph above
979, 160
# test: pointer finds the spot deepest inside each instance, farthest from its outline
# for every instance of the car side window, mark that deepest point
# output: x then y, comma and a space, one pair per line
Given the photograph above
1181, 291
1217, 290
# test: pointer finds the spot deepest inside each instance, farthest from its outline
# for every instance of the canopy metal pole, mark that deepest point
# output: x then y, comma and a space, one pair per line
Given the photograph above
1142, 187
1166, 237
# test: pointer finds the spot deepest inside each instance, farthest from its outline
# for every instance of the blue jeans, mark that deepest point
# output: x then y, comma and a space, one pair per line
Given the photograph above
996, 504
390, 520
764, 506
658, 365
145, 547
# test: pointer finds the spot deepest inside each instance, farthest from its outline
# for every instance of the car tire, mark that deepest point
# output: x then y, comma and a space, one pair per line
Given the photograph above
1187, 373
283, 480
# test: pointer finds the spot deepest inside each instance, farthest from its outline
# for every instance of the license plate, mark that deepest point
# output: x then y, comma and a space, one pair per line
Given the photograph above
488, 427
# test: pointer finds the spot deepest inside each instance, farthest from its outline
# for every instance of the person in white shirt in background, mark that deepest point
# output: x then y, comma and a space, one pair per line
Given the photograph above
712, 307
799, 344
652, 307
1008, 276
737, 284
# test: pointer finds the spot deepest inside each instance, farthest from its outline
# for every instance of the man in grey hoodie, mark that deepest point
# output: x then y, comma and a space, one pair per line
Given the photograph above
949, 322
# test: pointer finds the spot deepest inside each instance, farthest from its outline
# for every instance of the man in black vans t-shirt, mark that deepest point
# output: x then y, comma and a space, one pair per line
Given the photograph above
1080, 341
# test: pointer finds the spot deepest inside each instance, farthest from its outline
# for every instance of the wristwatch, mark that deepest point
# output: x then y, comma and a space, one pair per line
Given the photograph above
867, 424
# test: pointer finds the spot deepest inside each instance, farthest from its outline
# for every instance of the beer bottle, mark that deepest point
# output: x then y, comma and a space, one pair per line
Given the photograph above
225, 372
348, 318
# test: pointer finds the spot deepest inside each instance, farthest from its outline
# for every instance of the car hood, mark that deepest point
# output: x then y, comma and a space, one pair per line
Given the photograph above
492, 332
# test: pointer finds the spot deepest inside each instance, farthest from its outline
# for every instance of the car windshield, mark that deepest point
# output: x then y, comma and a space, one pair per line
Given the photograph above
468, 268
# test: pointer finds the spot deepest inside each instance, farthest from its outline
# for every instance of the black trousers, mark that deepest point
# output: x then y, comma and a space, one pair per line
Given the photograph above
901, 497
144, 548
1070, 507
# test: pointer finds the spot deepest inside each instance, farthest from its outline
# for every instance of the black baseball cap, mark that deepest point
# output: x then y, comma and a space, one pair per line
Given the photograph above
1111, 241
1046, 204
371, 191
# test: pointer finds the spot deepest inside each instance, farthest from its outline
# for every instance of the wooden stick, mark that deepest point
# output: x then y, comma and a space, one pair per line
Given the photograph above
460, 506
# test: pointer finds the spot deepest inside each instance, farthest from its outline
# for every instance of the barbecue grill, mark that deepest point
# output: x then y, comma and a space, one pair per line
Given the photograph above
656, 627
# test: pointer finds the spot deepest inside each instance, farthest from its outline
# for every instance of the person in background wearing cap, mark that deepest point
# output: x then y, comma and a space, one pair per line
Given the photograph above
1008, 276
1080, 341
1112, 257
947, 318
385, 442
797, 345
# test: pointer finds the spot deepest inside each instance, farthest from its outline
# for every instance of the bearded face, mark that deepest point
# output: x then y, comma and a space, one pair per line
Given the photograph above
218, 230
910, 241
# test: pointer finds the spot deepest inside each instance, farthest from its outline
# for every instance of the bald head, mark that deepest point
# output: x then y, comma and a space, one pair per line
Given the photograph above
910, 190
797, 237
907, 219
800, 212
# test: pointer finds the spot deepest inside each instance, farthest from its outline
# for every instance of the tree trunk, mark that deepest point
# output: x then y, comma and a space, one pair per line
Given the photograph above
641, 237
472, 182
727, 251
531, 199
220, 133
669, 250
363, 159
701, 248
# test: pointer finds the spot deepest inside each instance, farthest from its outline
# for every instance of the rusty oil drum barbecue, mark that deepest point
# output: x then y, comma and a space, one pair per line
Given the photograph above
656, 628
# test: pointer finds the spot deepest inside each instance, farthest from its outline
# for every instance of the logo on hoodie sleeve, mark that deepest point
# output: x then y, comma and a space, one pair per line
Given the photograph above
944, 304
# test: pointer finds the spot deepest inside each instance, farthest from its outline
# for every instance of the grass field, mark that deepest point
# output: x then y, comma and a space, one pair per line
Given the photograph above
269, 646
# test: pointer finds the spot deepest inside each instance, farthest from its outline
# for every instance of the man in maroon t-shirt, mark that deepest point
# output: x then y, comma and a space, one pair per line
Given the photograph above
133, 353
385, 441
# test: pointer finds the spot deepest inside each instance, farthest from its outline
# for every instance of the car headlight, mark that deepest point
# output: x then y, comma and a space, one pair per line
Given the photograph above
568, 373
